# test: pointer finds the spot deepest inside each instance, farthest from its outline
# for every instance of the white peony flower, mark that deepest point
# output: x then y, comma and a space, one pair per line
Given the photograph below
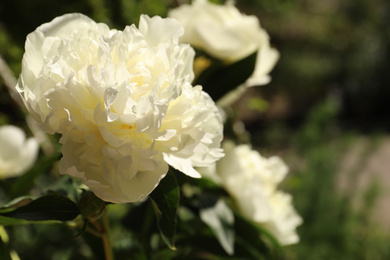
226, 34
252, 182
122, 101
17, 154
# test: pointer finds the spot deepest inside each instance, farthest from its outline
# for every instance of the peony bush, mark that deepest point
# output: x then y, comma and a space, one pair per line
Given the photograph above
125, 123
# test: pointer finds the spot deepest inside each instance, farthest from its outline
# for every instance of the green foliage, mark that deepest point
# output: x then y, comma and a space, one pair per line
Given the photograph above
327, 46
165, 200
221, 78
131, 10
254, 242
334, 228
49, 207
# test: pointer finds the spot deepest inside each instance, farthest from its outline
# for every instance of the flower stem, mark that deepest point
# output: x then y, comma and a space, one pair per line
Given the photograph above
105, 238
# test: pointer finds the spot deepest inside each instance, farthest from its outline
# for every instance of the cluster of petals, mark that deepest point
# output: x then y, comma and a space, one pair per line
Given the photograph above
252, 181
122, 101
17, 153
223, 32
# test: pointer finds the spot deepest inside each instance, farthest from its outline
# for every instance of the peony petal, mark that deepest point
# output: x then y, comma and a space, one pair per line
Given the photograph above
158, 30
11, 139
28, 156
265, 62
60, 26
182, 164
17, 155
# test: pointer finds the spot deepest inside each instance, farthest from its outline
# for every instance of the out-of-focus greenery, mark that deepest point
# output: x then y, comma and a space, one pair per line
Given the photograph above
336, 49
340, 47
337, 224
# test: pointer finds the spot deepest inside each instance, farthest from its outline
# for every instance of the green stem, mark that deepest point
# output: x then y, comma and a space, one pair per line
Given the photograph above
105, 238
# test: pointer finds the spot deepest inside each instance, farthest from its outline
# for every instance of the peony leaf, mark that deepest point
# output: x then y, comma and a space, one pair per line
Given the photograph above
220, 219
165, 201
49, 207
220, 79
253, 240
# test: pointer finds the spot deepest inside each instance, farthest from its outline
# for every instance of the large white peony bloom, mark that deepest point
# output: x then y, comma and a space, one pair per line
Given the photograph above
226, 34
252, 181
17, 154
122, 101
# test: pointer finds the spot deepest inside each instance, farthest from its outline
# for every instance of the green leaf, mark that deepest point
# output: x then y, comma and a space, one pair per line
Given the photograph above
255, 240
220, 219
220, 78
49, 207
165, 201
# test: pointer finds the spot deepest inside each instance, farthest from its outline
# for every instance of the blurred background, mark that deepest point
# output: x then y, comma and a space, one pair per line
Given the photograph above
327, 113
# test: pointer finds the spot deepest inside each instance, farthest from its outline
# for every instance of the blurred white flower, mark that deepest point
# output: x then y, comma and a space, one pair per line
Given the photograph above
226, 34
252, 181
17, 154
122, 101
